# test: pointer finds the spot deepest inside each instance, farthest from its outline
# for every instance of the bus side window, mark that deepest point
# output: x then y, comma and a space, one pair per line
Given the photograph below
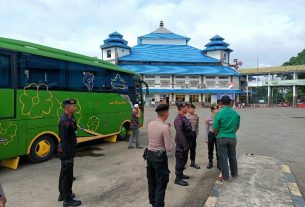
85, 78
41, 70
5, 71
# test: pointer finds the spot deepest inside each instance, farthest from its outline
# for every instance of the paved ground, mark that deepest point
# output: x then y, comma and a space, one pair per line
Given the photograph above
111, 175
260, 183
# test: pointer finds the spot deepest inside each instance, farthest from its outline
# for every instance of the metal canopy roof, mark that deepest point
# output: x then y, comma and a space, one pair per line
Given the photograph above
272, 70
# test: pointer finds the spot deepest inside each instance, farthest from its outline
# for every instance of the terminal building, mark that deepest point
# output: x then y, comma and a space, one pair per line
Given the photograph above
176, 71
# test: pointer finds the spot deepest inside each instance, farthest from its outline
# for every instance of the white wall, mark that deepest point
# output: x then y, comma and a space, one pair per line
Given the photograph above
164, 41
213, 98
122, 52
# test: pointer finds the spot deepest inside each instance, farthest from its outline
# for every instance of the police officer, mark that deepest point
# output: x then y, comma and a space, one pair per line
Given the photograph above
183, 135
67, 132
211, 138
160, 142
194, 120
2, 197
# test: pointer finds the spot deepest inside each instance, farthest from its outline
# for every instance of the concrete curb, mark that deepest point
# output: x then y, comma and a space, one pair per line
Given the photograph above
295, 193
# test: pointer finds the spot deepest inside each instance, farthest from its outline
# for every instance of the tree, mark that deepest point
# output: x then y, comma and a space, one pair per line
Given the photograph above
298, 60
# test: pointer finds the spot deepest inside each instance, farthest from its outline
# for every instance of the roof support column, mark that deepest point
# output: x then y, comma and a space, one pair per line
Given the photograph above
247, 91
295, 91
269, 92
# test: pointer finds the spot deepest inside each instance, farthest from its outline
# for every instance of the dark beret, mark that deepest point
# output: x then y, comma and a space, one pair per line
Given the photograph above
225, 99
215, 106
181, 104
162, 107
69, 102
192, 106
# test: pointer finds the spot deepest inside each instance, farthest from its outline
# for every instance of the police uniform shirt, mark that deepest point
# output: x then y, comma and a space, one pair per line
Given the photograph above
194, 119
159, 136
180, 123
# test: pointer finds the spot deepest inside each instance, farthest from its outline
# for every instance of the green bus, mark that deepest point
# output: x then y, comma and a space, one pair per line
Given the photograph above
35, 79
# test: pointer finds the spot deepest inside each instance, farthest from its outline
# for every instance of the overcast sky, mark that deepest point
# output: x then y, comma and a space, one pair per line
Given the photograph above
273, 29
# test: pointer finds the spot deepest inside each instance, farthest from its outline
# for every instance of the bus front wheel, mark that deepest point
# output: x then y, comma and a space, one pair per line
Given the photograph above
124, 132
42, 149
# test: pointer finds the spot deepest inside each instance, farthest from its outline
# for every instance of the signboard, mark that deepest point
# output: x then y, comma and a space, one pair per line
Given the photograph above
300, 82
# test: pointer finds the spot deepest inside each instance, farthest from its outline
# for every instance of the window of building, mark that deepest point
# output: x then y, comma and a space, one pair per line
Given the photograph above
210, 77
5, 71
194, 83
149, 76
180, 76
150, 83
165, 83
180, 98
210, 84
194, 98
123, 50
180, 82
41, 70
165, 76
108, 53
224, 56
194, 76
223, 77
223, 84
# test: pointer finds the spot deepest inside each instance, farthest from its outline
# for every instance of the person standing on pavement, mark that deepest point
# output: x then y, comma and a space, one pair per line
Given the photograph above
211, 138
160, 141
183, 134
2, 197
66, 149
194, 120
134, 126
226, 123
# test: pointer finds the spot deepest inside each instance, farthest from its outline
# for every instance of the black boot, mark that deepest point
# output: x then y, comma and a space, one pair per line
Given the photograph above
210, 165
60, 198
180, 181
185, 177
71, 202
194, 165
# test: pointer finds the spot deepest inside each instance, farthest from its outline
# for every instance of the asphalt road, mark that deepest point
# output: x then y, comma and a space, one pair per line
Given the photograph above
111, 175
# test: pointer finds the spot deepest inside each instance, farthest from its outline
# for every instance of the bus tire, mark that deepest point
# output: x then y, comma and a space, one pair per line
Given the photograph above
124, 132
42, 149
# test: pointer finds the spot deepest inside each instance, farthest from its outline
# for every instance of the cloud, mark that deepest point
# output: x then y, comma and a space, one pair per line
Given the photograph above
273, 30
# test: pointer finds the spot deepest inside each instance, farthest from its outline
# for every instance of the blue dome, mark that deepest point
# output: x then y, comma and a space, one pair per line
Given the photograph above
115, 39
217, 43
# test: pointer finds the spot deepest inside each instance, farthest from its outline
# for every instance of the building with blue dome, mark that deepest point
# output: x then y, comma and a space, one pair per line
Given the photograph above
174, 70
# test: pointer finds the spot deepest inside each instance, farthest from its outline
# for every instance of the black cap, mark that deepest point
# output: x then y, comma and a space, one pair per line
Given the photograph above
162, 107
225, 99
69, 102
215, 106
181, 105
192, 106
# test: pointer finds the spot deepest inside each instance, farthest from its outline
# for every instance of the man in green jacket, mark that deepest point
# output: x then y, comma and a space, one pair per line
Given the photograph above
226, 123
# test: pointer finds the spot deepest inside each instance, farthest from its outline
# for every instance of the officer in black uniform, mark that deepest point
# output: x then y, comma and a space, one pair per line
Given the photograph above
66, 149
183, 135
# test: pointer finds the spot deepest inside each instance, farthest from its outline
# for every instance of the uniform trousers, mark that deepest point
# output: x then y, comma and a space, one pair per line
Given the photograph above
157, 177
193, 144
181, 160
211, 143
66, 177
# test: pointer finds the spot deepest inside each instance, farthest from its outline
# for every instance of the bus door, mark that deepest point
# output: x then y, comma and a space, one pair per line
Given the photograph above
8, 125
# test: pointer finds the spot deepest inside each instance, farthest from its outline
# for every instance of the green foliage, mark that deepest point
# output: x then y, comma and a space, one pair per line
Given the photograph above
298, 60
